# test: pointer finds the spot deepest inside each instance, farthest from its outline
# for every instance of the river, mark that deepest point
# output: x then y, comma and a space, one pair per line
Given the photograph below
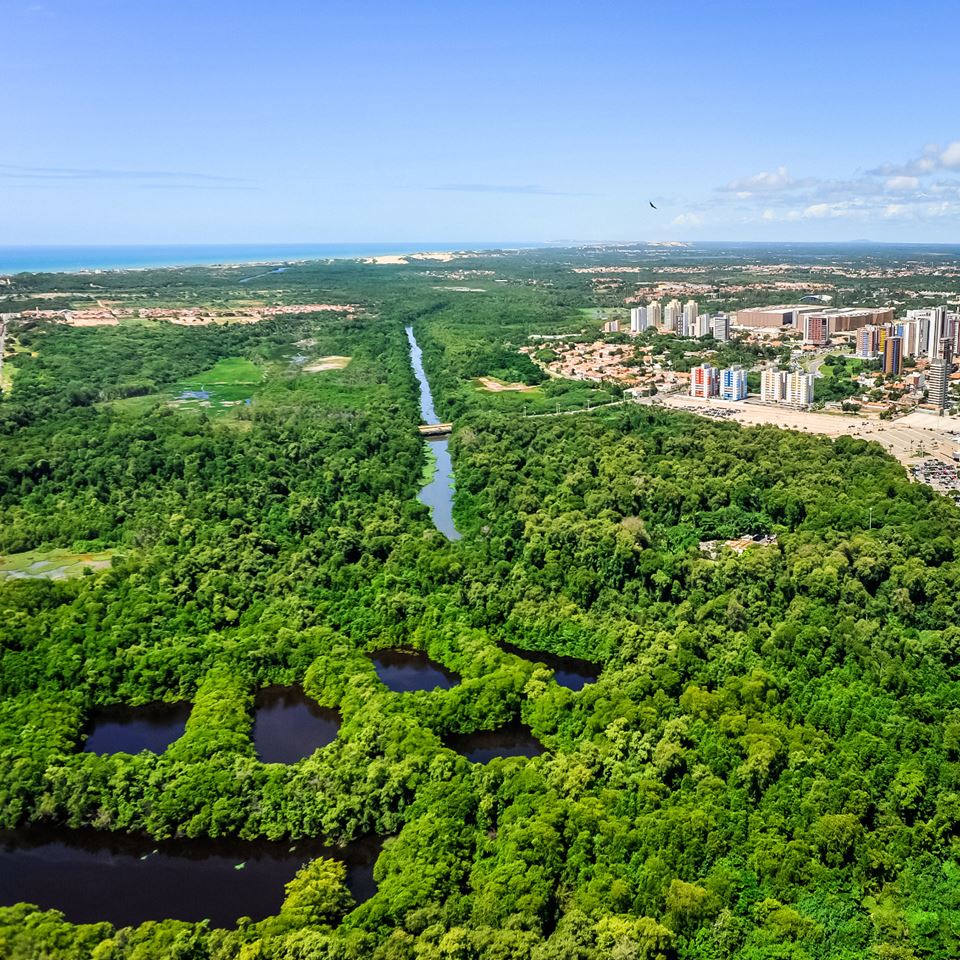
437, 495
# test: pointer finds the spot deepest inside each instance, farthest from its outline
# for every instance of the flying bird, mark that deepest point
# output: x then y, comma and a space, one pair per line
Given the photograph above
651, 204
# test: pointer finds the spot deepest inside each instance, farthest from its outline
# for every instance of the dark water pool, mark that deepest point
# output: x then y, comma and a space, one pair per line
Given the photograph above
406, 670
512, 740
126, 729
91, 876
289, 726
567, 671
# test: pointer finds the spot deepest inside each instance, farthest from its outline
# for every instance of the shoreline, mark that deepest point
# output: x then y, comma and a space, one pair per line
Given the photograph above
386, 254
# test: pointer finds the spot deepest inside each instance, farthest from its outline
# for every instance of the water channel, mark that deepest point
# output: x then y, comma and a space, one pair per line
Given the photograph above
404, 671
288, 725
437, 495
92, 876
126, 729
567, 671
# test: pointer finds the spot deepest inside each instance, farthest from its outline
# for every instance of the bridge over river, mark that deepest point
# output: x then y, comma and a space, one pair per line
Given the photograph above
435, 430
438, 492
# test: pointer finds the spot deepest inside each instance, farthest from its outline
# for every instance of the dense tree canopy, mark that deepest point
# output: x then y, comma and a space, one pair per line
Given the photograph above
768, 764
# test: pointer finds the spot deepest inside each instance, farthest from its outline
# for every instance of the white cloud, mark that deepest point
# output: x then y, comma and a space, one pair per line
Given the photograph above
950, 158
933, 157
821, 211
687, 220
766, 180
907, 191
903, 183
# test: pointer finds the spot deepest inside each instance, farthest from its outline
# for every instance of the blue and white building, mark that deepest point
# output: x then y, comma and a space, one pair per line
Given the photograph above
733, 383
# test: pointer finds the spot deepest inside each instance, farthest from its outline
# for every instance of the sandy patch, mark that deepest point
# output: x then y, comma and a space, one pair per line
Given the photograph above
917, 436
396, 259
326, 363
461, 289
492, 385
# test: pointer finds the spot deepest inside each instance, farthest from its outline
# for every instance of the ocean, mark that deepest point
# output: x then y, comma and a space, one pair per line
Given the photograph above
67, 259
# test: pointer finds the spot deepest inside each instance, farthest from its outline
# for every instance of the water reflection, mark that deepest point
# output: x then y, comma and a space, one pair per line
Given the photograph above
288, 725
125, 729
125, 880
404, 671
482, 746
438, 493
567, 671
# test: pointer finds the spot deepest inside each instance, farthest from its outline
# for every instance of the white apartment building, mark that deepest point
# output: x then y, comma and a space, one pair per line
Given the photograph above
936, 331
638, 319
794, 388
720, 327
672, 317
655, 314
799, 389
910, 334
773, 385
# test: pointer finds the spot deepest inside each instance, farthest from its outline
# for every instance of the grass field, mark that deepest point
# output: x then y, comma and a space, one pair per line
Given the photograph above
52, 564
230, 382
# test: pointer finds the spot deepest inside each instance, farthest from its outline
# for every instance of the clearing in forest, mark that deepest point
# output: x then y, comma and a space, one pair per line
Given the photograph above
51, 564
326, 363
493, 385
228, 383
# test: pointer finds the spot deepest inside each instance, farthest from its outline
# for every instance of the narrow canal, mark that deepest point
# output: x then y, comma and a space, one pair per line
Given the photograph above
437, 495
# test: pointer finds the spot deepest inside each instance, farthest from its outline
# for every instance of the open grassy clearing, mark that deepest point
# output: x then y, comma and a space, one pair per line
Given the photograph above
230, 382
322, 364
52, 564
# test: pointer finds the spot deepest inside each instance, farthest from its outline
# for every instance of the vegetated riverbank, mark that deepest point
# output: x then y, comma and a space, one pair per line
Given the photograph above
437, 492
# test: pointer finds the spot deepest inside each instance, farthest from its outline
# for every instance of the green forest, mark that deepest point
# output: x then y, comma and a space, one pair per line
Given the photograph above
768, 765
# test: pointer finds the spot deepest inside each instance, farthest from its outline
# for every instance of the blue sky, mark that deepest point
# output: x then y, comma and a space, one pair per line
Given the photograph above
177, 122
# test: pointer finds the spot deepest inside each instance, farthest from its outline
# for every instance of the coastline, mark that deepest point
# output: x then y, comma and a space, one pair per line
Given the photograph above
120, 258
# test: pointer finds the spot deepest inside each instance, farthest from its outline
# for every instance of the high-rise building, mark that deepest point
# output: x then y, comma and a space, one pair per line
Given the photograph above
720, 327
938, 374
733, 383
867, 345
937, 331
773, 385
672, 317
704, 381
882, 333
893, 356
908, 331
611, 326
816, 329
638, 319
799, 389
703, 325
690, 313
654, 314
921, 318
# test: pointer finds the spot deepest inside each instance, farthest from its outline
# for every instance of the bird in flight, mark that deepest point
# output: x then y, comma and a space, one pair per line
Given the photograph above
651, 204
